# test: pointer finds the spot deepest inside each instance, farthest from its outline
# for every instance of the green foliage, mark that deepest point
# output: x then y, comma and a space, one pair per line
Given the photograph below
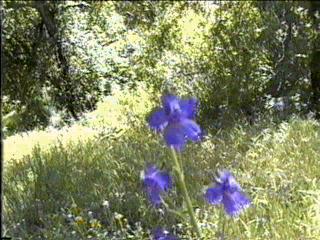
235, 57
35, 113
25, 101
64, 59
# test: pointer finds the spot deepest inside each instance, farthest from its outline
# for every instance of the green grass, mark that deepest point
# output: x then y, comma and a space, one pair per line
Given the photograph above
58, 193
114, 115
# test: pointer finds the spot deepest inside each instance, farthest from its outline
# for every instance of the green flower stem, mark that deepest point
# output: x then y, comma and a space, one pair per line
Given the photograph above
173, 211
185, 193
222, 220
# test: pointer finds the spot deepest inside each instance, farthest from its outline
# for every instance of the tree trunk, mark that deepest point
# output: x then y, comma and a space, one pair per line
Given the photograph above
48, 17
315, 60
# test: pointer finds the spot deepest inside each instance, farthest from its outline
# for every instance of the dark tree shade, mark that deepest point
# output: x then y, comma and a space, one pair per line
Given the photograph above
315, 59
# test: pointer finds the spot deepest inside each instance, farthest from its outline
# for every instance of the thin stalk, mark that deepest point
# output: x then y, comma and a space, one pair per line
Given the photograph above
173, 211
222, 220
185, 193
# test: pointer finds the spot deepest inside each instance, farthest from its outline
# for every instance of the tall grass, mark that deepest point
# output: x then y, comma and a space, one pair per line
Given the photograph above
92, 188
113, 116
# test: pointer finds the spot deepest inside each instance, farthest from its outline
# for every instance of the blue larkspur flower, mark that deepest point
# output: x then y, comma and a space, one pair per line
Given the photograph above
176, 121
161, 234
155, 183
229, 193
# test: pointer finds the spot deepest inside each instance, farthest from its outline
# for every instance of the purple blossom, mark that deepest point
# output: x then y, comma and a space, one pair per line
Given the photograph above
161, 234
156, 182
176, 121
228, 192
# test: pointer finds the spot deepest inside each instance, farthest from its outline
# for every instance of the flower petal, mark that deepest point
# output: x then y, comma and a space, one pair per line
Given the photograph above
151, 183
157, 179
158, 120
155, 182
158, 233
191, 130
189, 107
175, 137
171, 104
164, 180
154, 196
177, 134
214, 195
151, 170
161, 234
235, 203
229, 182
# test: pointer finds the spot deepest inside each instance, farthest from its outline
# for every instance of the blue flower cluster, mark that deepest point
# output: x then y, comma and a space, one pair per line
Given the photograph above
176, 121
156, 182
228, 192
161, 234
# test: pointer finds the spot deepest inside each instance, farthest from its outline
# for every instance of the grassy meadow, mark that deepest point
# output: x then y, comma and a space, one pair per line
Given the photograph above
83, 181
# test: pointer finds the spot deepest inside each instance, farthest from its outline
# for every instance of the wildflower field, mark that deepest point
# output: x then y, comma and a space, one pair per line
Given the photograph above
91, 187
160, 120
